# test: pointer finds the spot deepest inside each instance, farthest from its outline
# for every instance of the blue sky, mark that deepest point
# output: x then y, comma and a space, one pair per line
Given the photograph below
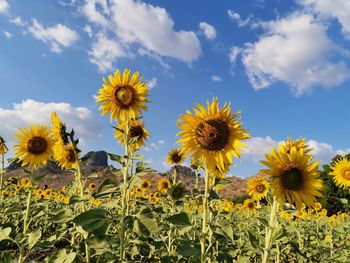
284, 64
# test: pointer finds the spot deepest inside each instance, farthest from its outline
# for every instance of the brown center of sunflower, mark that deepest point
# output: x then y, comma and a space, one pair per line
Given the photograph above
37, 145
165, 185
70, 156
124, 95
136, 131
145, 185
212, 135
292, 179
345, 173
176, 157
260, 188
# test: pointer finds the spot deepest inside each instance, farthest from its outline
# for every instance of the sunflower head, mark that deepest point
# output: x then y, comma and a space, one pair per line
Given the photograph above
211, 134
25, 182
175, 156
92, 187
295, 178
3, 147
145, 184
164, 185
59, 129
66, 156
123, 96
249, 204
35, 145
340, 171
298, 144
257, 187
177, 191
137, 132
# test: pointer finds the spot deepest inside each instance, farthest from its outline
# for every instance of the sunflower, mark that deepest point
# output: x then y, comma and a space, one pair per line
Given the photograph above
136, 130
249, 204
177, 191
65, 156
123, 97
175, 156
257, 187
211, 134
217, 173
164, 185
294, 177
340, 170
145, 184
59, 129
298, 144
25, 182
35, 145
3, 147
92, 187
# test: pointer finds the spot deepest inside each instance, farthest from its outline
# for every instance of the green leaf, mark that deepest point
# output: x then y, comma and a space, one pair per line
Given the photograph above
263, 221
62, 216
117, 158
180, 219
6, 258
5, 233
145, 225
33, 238
213, 195
93, 221
278, 233
227, 230
254, 240
62, 256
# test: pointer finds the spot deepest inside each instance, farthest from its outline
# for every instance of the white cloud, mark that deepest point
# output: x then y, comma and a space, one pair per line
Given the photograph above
95, 11
7, 34
152, 83
4, 7
148, 25
257, 147
161, 142
144, 52
234, 52
88, 30
104, 52
235, 17
338, 9
215, 78
57, 36
208, 30
81, 119
294, 50
17, 21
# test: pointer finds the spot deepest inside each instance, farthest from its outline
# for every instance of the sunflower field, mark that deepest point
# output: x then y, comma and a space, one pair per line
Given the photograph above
131, 220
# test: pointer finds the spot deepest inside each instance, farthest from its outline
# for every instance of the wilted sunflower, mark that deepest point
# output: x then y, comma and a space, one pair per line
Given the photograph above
175, 157
164, 185
340, 170
294, 177
136, 130
65, 156
3, 147
35, 145
123, 97
211, 134
177, 191
257, 187
59, 129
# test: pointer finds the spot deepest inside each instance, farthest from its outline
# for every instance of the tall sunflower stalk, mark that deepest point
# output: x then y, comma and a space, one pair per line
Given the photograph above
211, 135
273, 222
3, 151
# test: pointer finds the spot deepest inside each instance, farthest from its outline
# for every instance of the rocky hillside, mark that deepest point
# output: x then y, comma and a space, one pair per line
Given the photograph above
96, 163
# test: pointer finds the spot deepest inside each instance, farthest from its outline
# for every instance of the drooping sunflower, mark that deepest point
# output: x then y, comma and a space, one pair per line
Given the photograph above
59, 129
3, 147
175, 156
212, 134
295, 178
340, 170
122, 96
257, 187
65, 156
136, 130
35, 145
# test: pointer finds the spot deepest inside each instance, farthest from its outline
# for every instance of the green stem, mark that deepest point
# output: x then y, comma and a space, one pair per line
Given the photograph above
174, 175
269, 230
205, 216
124, 194
2, 173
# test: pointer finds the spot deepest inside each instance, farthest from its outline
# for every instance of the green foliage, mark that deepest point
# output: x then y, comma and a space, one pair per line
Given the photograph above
334, 198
